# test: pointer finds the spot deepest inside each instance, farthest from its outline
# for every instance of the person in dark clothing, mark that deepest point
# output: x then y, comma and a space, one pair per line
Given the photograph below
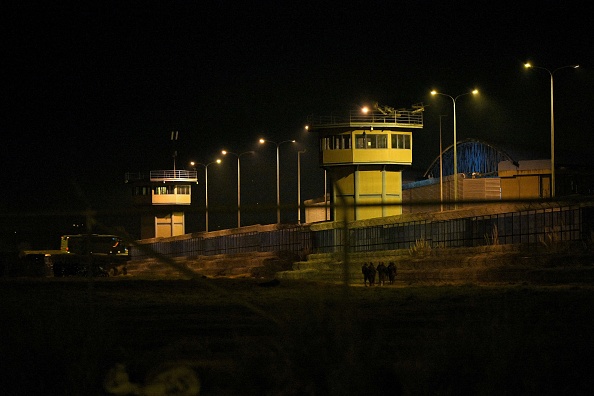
391, 272
382, 273
371, 274
365, 271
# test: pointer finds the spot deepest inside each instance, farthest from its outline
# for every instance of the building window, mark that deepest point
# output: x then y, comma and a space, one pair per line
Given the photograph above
164, 190
183, 190
346, 142
361, 140
369, 140
141, 191
336, 142
400, 141
382, 141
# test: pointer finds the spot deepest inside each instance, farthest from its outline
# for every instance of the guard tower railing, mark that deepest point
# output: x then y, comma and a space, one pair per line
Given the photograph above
399, 118
176, 175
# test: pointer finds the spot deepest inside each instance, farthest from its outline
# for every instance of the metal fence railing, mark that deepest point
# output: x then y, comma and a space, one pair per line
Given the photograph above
403, 118
160, 175
528, 227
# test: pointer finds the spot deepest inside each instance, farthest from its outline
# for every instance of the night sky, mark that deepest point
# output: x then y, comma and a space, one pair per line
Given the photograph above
92, 90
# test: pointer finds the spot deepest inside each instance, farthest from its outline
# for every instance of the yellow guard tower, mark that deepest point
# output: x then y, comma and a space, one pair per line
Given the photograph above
162, 193
364, 154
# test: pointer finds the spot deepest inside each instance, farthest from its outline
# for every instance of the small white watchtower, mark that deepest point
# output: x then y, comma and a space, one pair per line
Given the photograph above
161, 195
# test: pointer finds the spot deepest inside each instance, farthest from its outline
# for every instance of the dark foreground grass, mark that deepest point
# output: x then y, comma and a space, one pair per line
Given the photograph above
62, 336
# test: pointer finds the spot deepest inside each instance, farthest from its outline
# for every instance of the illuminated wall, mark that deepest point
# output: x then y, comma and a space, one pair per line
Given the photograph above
526, 180
367, 191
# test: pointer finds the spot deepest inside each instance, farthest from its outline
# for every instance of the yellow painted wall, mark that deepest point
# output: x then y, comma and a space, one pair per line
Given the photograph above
521, 187
394, 183
396, 156
147, 227
370, 182
346, 184
369, 212
337, 156
172, 199
346, 212
169, 225
394, 194
372, 201
510, 188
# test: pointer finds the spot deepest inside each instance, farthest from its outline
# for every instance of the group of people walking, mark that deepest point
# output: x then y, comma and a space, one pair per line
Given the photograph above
382, 271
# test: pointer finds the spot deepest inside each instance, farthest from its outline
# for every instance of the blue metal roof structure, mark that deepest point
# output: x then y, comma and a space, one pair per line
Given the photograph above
474, 157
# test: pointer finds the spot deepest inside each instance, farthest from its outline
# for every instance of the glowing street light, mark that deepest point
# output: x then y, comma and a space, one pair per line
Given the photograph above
262, 141
225, 152
454, 99
217, 161
325, 186
440, 165
551, 73
299, 185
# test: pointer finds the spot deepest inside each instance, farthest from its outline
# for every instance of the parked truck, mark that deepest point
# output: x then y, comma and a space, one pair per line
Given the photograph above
80, 255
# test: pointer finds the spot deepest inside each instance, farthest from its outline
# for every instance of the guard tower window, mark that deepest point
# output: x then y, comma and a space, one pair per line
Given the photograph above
400, 141
141, 190
361, 140
164, 190
346, 139
336, 142
382, 141
368, 140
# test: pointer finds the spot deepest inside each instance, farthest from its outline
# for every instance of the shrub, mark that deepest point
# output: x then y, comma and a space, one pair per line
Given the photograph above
421, 247
493, 238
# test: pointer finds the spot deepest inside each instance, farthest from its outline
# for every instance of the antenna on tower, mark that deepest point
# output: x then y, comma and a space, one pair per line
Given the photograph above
174, 136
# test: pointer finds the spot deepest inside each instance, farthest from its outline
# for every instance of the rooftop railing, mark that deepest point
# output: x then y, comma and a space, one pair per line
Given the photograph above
163, 175
400, 118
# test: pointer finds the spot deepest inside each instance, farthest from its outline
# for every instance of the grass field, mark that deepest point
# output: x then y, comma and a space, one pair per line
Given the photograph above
62, 337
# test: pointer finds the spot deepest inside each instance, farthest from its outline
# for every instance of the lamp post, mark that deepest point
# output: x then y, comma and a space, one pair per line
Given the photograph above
217, 161
299, 185
325, 188
262, 141
440, 165
551, 73
325, 195
225, 152
174, 136
454, 99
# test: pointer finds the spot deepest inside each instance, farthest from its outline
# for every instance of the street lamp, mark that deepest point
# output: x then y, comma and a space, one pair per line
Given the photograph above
325, 187
262, 141
299, 185
440, 165
528, 66
217, 161
225, 152
454, 99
